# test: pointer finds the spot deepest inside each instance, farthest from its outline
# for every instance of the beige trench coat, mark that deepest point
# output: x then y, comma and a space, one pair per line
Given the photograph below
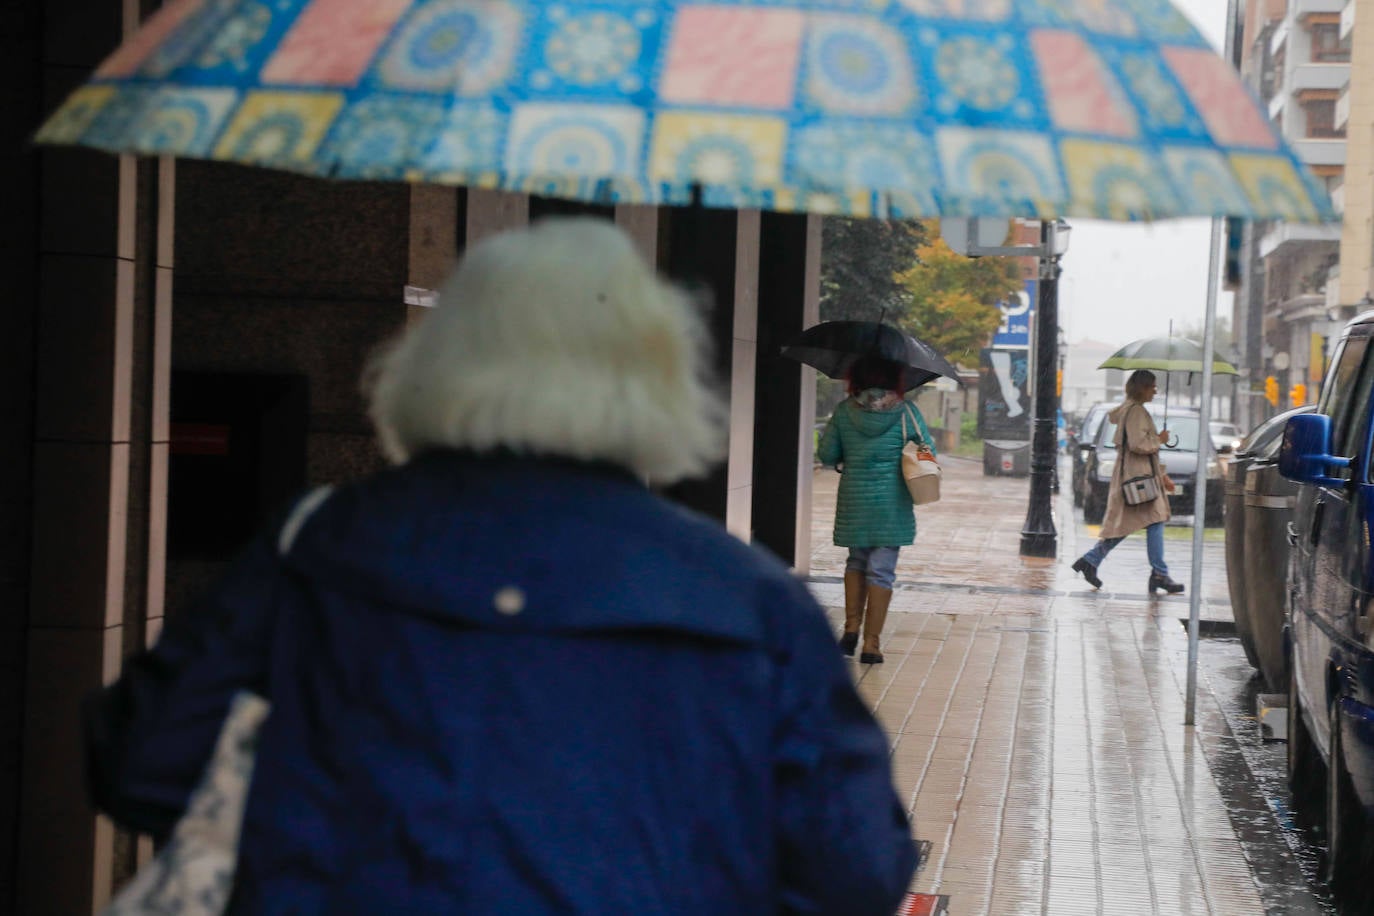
1140, 457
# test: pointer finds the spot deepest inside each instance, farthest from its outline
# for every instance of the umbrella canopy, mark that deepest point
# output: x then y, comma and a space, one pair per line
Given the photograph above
920, 108
1165, 354
834, 346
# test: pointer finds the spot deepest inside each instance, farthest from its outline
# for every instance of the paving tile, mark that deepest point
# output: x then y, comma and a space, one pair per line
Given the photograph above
1036, 725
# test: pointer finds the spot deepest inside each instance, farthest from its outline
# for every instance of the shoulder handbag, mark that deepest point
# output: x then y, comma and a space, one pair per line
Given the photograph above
1142, 489
919, 467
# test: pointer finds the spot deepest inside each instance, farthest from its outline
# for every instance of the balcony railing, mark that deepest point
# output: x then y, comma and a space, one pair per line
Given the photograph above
1303, 8
1317, 76
1319, 152
1284, 234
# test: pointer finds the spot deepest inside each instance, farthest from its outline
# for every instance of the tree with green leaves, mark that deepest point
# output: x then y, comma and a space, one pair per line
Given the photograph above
860, 260
951, 300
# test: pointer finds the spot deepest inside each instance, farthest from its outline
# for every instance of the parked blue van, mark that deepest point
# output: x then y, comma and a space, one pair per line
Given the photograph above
1329, 635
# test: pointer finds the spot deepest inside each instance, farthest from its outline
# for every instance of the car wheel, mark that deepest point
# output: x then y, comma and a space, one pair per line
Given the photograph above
1094, 506
1344, 816
1304, 768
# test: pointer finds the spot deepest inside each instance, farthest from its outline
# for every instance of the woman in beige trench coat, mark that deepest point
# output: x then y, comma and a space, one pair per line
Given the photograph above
1137, 448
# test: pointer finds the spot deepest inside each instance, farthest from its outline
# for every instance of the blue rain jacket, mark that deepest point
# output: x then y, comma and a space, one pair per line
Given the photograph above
506, 685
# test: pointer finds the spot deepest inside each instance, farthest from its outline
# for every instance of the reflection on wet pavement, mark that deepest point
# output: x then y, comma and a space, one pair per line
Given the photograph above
1037, 725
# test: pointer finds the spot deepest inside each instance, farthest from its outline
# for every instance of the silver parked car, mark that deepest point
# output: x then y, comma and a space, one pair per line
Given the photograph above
1179, 458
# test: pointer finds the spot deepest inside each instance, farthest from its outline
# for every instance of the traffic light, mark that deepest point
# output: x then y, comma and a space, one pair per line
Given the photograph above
1271, 391
1297, 395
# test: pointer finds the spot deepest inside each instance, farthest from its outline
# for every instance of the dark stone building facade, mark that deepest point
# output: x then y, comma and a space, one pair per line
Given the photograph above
159, 314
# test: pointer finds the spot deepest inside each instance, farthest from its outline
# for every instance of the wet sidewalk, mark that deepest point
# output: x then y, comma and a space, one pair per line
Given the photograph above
1037, 725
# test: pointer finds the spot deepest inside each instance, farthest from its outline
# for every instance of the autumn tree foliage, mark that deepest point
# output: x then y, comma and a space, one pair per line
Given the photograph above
951, 301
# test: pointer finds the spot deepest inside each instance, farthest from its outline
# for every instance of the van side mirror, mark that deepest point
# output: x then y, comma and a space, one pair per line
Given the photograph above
1306, 455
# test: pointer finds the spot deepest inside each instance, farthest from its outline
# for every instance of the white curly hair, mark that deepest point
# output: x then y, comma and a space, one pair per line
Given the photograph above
555, 339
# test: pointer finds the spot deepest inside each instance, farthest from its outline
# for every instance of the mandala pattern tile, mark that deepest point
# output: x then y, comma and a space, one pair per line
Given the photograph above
858, 67
454, 47
1117, 180
990, 171
282, 129
580, 141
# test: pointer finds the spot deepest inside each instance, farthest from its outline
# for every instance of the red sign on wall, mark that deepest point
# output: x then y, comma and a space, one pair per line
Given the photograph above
200, 439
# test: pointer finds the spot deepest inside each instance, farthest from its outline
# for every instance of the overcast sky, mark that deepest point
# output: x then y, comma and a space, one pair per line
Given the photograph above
1122, 281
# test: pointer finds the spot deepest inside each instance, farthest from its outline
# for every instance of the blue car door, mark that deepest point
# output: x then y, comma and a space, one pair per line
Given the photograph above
1330, 553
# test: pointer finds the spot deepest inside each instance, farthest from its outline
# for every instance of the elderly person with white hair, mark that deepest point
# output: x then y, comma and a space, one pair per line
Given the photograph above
504, 675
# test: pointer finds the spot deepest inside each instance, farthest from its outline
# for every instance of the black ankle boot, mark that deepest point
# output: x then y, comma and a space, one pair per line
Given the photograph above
1158, 581
1088, 570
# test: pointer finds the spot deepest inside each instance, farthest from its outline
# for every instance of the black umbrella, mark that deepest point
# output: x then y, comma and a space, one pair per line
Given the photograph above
834, 346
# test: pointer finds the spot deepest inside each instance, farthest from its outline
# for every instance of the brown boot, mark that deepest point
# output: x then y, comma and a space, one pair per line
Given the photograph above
878, 600
855, 591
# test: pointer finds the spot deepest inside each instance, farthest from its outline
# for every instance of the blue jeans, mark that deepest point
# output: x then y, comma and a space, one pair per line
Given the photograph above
878, 564
1154, 547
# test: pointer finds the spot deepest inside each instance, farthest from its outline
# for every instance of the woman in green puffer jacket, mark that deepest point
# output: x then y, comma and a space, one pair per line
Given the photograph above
873, 512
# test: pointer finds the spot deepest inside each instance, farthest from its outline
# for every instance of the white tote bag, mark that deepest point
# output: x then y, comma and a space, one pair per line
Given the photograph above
193, 874
920, 470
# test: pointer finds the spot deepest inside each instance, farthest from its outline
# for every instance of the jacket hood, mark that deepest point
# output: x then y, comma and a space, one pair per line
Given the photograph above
529, 544
1119, 411
876, 422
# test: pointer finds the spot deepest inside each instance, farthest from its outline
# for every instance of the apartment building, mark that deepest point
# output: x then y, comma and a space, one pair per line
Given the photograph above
1305, 61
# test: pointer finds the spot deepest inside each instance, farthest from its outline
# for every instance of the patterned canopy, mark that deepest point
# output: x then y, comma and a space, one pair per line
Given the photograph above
1114, 109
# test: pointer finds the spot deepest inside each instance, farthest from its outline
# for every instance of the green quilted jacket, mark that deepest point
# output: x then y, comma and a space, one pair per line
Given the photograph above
873, 508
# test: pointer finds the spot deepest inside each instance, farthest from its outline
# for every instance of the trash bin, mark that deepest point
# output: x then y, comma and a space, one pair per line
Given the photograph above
1006, 458
1234, 523
1268, 510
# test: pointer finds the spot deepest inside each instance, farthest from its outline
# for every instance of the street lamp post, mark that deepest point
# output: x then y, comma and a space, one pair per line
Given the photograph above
1038, 536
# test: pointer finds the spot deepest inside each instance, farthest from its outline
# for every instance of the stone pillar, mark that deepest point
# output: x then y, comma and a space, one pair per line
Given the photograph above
785, 390
433, 241
489, 212
99, 446
640, 223
716, 252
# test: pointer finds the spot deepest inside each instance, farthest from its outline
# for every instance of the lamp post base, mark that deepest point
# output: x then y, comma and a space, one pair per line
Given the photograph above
1039, 544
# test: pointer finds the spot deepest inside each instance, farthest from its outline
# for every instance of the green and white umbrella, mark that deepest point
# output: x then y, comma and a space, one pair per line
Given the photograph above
1165, 354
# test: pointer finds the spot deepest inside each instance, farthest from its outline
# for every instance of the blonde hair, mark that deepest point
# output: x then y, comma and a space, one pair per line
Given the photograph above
555, 339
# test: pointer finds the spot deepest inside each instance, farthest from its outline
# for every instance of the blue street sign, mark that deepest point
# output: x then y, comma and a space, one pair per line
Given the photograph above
1017, 313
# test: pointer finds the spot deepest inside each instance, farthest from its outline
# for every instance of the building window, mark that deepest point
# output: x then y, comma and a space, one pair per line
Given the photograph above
1321, 120
1327, 46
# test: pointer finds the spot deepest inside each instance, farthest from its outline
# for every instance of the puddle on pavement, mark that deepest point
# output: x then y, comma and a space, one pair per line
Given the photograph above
1251, 774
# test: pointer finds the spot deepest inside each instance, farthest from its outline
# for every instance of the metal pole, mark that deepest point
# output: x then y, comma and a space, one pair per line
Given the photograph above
1204, 447
1038, 536
1205, 457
